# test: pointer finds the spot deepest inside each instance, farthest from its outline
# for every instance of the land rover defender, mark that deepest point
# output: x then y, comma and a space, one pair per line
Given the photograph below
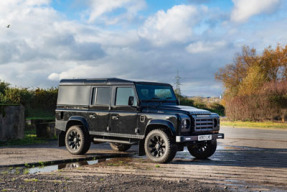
126, 113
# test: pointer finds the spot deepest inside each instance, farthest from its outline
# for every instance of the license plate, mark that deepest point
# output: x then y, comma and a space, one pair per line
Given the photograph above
204, 137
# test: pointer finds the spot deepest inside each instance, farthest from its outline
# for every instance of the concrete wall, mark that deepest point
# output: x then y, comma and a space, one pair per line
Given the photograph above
12, 122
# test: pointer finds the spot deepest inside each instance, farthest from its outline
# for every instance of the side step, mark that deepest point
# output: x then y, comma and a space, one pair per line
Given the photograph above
114, 141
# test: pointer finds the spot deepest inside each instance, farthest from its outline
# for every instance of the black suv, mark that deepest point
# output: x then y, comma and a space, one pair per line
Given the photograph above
125, 113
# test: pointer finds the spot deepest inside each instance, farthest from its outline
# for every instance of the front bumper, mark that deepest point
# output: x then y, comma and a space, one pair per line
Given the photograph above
180, 139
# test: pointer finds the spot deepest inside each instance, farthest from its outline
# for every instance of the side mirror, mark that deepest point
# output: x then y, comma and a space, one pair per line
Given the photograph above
131, 100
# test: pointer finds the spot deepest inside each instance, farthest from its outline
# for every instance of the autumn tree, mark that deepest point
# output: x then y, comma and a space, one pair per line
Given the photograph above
255, 85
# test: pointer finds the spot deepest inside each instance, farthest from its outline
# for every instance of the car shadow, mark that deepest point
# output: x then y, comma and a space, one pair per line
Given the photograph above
239, 156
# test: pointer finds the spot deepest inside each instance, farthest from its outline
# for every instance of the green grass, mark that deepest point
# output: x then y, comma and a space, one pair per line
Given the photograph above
31, 180
250, 124
26, 171
41, 118
30, 137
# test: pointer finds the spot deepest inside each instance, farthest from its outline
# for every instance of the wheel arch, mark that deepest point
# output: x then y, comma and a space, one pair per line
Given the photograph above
74, 120
160, 124
77, 120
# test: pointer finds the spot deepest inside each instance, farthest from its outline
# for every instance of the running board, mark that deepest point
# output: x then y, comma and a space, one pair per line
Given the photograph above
114, 141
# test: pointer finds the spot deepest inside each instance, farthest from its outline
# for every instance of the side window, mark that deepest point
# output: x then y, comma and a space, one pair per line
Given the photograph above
123, 94
73, 95
101, 96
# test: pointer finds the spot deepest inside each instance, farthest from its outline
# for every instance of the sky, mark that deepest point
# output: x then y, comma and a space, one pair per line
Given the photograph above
43, 41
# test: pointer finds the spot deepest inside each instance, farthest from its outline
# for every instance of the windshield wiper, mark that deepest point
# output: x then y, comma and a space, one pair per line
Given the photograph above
156, 99
152, 99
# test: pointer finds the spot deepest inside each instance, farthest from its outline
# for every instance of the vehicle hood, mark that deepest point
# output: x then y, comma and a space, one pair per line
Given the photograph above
184, 109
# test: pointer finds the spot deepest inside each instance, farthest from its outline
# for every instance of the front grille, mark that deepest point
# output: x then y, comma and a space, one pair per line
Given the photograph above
203, 124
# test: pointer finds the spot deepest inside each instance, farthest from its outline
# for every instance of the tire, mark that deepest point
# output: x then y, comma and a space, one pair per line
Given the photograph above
120, 146
77, 140
203, 149
158, 147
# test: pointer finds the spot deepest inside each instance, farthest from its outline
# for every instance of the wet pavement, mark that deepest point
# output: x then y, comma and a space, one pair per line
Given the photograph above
246, 160
50, 153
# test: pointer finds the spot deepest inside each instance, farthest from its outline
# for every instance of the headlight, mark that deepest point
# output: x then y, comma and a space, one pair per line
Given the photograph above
185, 124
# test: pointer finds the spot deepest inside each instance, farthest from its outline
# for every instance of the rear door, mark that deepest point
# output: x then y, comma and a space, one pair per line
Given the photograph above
99, 109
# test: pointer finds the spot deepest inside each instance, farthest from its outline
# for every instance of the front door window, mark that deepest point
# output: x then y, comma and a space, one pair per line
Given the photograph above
123, 94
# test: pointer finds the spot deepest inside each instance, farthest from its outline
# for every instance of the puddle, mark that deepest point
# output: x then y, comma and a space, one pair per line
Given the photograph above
74, 165
42, 169
49, 168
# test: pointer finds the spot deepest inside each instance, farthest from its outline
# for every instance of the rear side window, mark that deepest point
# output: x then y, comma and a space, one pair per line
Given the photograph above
73, 95
101, 96
123, 94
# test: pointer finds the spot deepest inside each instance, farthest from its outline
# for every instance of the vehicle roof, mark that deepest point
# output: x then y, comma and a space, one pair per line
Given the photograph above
105, 81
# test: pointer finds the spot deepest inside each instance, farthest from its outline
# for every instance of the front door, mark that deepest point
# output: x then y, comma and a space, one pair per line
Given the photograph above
124, 118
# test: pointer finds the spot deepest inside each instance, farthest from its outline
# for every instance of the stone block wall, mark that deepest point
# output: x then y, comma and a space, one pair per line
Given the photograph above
12, 122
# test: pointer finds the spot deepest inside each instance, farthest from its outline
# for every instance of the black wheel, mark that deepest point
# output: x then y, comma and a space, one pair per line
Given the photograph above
158, 147
120, 146
202, 149
77, 140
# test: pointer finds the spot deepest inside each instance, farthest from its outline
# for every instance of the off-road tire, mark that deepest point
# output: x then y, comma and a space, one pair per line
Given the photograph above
202, 149
159, 147
120, 146
77, 140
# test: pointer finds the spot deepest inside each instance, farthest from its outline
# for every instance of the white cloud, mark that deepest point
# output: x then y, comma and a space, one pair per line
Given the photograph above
174, 25
201, 47
42, 45
54, 77
84, 70
37, 2
244, 9
101, 7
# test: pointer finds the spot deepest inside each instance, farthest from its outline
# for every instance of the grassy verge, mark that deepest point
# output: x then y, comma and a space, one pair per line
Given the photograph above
49, 118
249, 124
29, 138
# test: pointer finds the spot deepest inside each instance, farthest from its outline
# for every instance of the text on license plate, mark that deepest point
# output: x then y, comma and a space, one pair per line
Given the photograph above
204, 137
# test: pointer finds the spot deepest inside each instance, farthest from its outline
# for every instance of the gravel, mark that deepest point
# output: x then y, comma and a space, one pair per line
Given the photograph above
112, 182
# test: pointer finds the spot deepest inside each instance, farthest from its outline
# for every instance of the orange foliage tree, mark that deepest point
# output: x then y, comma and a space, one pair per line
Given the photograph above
256, 85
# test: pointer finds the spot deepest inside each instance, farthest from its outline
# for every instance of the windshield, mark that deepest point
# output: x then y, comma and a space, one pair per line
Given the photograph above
150, 92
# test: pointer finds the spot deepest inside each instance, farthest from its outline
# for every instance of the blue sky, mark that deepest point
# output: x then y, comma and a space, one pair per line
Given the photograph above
49, 40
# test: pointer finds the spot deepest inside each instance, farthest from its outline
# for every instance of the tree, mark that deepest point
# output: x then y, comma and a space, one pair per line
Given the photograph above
232, 75
3, 86
248, 82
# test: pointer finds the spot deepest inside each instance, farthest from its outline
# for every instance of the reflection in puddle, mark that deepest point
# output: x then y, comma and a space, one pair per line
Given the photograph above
219, 147
50, 168
64, 166
42, 169
73, 165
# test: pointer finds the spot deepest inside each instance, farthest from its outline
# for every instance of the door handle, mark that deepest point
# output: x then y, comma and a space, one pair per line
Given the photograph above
93, 116
115, 117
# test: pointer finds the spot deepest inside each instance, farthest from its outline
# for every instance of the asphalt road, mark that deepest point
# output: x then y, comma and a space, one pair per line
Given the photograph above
246, 160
